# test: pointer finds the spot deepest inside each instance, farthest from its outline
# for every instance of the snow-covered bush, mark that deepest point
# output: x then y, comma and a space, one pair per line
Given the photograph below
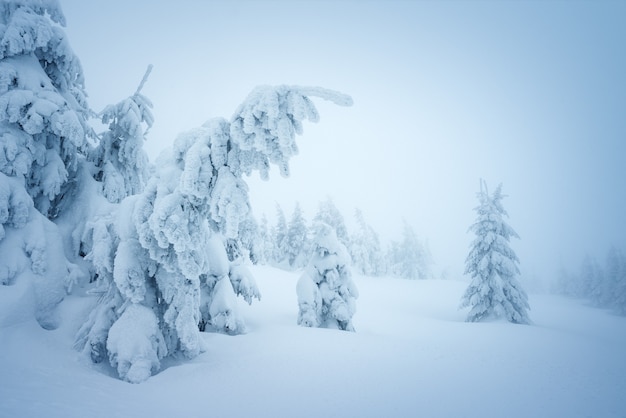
494, 290
265, 246
326, 293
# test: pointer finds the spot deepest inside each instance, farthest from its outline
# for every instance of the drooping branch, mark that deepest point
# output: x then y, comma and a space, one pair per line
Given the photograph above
144, 79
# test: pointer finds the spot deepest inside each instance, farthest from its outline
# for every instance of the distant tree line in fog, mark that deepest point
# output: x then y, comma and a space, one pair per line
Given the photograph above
603, 285
288, 244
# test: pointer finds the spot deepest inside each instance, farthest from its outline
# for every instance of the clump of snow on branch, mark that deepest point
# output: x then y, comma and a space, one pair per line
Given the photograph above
30, 253
135, 344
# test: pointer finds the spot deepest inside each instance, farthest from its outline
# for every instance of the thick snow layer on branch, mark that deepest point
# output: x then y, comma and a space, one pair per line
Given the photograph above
265, 124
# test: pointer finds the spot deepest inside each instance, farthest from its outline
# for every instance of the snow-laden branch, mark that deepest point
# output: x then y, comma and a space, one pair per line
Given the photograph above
144, 79
266, 123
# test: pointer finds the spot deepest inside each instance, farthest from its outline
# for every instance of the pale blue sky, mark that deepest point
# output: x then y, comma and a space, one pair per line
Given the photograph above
531, 94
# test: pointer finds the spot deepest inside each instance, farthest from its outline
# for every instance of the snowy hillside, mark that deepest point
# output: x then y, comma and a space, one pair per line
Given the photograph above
412, 355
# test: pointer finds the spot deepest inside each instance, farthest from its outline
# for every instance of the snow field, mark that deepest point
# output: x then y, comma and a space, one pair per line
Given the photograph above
411, 355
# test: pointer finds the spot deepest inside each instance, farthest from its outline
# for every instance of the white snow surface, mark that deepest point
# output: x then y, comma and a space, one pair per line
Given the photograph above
412, 355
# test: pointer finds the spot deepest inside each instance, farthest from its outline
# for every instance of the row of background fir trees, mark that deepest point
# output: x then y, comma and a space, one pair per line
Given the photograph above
288, 244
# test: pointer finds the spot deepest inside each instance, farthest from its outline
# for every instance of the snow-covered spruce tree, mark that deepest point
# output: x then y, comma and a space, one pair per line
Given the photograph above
42, 103
279, 238
42, 129
494, 290
409, 258
296, 240
328, 214
164, 258
365, 249
265, 245
326, 293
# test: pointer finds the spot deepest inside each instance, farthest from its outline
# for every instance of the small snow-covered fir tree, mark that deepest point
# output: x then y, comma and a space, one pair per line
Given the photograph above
328, 214
326, 293
279, 238
165, 249
409, 258
494, 290
365, 249
265, 243
296, 239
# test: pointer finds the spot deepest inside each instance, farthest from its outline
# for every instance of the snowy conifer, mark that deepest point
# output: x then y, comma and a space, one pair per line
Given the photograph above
42, 103
296, 240
279, 237
365, 250
265, 243
42, 130
494, 290
165, 249
328, 214
326, 293
409, 258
